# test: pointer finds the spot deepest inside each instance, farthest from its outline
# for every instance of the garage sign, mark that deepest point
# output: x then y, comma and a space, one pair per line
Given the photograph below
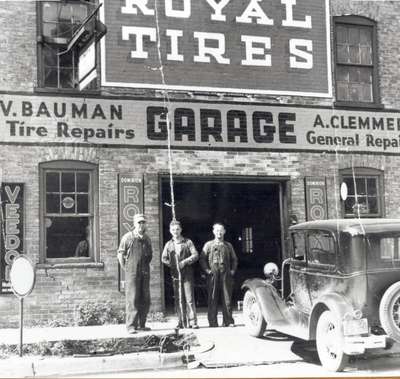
242, 46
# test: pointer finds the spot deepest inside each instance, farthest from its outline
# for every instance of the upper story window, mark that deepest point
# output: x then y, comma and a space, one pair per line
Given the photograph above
58, 20
365, 192
356, 61
68, 212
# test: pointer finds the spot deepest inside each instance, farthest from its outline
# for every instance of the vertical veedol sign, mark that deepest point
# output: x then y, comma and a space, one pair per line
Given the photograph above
12, 229
242, 46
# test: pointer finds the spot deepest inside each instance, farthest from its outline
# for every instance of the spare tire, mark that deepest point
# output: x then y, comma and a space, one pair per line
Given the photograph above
389, 311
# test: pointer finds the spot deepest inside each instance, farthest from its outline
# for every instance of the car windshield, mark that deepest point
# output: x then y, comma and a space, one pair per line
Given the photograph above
383, 250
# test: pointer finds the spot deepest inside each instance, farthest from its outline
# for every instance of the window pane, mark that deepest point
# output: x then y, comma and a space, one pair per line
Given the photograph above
68, 203
50, 29
50, 11
63, 235
366, 36
50, 78
372, 186
341, 34
354, 74
68, 182
354, 54
354, 35
342, 74
365, 74
82, 182
360, 186
343, 53
67, 78
52, 182
79, 13
365, 55
50, 56
355, 92
64, 30
82, 203
348, 205
342, 91
350, 185
52, 203
366, 92
373, 205
66, 60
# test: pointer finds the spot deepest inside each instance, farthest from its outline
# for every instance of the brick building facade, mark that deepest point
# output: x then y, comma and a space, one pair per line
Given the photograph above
209, 180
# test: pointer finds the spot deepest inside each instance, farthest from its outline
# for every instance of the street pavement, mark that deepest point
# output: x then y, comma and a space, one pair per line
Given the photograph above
225, 352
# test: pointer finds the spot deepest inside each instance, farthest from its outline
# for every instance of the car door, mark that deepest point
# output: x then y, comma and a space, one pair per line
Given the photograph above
320, 274
298, 270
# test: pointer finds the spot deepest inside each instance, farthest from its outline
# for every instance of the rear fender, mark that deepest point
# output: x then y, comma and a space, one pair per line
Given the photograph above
271, 304
333, 302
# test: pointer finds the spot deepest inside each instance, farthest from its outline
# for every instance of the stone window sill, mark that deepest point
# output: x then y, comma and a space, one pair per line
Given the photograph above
83, 265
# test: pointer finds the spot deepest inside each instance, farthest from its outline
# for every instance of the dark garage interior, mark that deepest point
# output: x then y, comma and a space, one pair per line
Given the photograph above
250, 212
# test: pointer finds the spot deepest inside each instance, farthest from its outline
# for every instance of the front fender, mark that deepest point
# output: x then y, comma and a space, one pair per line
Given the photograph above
333, 302
270, 302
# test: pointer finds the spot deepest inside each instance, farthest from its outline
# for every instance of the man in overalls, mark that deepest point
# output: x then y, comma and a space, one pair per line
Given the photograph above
134, 254
219, 261
179, 254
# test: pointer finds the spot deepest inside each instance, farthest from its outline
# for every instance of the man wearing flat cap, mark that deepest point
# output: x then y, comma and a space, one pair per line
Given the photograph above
134, 255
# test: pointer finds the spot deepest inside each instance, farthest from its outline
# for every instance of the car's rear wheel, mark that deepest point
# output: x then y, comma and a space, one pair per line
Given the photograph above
330, 342
389, 311
252, 316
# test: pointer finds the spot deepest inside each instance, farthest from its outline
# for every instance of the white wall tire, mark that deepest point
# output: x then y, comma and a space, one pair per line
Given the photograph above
389, 311
252, 316
330, 342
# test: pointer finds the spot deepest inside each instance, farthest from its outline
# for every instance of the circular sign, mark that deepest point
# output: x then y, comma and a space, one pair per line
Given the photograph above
68, 202
22, 276
343, 191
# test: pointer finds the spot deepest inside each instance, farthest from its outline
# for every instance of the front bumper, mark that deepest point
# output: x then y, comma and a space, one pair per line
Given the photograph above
357, 344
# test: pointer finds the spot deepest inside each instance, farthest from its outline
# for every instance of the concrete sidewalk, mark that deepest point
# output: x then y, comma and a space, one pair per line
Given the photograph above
38, 366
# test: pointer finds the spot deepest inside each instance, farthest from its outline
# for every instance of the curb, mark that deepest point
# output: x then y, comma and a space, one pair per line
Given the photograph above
69, 366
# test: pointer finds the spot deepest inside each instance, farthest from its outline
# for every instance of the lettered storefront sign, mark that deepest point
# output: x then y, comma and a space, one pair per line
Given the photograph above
239, 46
316, 199
130, 196
12, 229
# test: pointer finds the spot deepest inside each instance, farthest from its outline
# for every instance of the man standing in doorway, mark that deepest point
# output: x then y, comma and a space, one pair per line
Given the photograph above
179, 254
134, 255
219, 261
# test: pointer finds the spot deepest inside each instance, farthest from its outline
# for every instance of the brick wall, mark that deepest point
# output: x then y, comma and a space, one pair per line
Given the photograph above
59, 291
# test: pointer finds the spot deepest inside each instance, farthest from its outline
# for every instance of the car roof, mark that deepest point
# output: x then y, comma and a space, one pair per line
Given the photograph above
353, 226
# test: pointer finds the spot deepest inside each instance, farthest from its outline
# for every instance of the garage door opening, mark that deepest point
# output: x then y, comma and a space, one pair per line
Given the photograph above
251, 212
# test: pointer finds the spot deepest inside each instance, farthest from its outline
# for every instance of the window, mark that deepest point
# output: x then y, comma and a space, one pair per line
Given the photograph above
356, 61
247, 240
321, 248
299, 246
68, 218
364, 187
57, 23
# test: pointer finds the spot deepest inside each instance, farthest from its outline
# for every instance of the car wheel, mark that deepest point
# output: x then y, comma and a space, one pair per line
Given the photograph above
330, 342
252, 316
389, 311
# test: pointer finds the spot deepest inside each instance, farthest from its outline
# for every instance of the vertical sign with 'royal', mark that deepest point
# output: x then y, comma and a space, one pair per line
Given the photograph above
131, 202
12, 229
316, 199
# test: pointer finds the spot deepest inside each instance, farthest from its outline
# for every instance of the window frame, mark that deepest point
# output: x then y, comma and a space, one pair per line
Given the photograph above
358, 21
364, 172
69, 165
327, 266
93, 88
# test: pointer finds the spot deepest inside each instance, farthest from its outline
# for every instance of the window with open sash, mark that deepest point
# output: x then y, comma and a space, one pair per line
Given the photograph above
58, 20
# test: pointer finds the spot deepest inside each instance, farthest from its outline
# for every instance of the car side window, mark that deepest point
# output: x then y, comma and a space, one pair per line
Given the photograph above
321, 248
299, 246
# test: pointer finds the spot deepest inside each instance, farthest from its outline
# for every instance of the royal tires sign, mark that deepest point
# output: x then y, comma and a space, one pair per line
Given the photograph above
241, 46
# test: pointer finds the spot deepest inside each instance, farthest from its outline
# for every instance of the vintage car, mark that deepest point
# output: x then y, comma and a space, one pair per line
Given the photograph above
340, 286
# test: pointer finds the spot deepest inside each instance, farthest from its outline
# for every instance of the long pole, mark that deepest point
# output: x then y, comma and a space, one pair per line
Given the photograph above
21, 323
